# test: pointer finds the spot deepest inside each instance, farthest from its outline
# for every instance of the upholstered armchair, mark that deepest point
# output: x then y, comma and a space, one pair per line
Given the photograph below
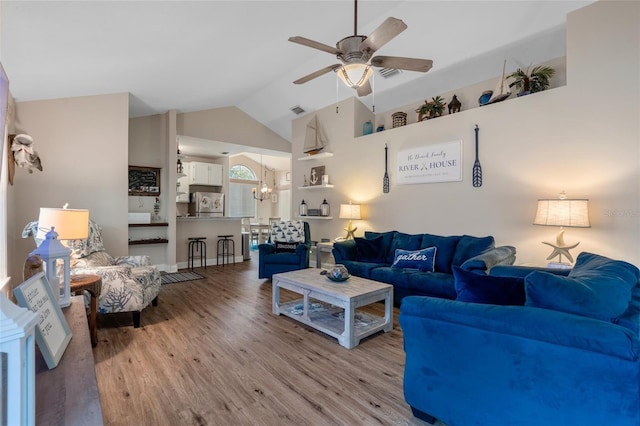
129, 283
287, 249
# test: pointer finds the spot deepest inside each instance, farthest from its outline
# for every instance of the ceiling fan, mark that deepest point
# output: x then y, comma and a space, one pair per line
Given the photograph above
355, 53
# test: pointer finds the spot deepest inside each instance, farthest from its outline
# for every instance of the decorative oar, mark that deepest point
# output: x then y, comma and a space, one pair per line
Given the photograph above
477, 168
385, 179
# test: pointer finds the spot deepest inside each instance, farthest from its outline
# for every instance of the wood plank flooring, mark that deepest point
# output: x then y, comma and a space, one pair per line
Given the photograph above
212, 353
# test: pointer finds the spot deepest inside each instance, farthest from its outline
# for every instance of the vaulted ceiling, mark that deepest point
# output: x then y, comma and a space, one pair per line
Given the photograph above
196, 55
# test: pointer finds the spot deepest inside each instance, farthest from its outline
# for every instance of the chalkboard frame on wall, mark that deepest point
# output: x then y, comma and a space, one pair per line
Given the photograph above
52, 332
144, 181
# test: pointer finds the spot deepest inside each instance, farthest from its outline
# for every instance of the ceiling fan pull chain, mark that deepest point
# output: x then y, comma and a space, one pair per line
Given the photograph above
373, 92
337, 90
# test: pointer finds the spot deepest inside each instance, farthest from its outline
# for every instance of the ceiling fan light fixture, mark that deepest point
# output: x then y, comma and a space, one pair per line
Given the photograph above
355, 75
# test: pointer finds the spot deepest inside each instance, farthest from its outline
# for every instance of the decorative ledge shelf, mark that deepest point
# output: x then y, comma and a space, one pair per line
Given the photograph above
150, 241
140, 225
319, 156
316, 186
315, 217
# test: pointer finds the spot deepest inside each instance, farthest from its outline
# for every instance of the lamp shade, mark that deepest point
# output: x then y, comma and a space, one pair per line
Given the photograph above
350, 211
563, 212
355, 75
70, 224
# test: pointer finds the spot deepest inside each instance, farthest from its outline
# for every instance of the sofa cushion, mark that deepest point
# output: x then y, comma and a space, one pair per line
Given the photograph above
386, 239
370, 250
282, 258
361, 269
398, 277
469, 246
286, 247
597, 287
402, 241
436, 284
446, 249
422, 259
487, 289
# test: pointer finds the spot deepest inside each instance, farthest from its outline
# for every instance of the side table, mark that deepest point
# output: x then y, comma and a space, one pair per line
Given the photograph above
322, 247
92, 284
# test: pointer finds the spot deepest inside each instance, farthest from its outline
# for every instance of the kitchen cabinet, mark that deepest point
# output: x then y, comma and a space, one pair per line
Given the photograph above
205, 174
182, 186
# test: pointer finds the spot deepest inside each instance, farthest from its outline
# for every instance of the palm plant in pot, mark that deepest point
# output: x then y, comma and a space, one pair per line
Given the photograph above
431, 109
532, 80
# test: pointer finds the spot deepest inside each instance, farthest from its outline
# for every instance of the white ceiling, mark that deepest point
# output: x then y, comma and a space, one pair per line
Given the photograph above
195, 55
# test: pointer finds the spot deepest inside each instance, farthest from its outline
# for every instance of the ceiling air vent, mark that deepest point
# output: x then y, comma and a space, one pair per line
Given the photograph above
297, 110
388, 72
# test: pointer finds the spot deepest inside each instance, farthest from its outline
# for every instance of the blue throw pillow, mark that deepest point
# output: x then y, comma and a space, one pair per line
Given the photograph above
469, 246
488, 289
370, 250
403, 241
419, 259
597, 287
446, 249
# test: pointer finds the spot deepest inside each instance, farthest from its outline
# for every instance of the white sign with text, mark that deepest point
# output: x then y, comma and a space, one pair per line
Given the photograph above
428, 164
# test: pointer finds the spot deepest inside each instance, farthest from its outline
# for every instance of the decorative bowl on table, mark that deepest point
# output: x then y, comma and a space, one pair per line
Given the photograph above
338, 273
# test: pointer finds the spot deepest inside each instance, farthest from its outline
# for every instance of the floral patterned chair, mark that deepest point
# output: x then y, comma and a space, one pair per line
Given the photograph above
129, 283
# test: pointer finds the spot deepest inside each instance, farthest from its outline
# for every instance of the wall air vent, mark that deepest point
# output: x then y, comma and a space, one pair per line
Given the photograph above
297, 110
388, 72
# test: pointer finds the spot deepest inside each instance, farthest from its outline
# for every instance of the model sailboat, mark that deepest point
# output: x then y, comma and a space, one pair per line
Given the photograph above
315, 139
501, 91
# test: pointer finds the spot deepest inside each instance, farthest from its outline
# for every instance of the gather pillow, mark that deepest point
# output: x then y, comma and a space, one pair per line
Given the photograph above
422, 259
596, 287
370, 250
286, 247
488, 289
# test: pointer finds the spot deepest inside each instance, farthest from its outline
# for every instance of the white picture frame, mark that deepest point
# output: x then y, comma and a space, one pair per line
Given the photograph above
52, 332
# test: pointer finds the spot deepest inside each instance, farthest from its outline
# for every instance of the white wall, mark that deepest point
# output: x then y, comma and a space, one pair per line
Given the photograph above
83, 146
581, 138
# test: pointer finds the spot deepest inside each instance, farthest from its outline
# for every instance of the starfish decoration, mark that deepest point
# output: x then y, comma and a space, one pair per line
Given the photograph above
350, 232
560, 248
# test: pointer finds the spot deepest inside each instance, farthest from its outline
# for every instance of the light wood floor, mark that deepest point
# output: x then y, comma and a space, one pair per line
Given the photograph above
212, 353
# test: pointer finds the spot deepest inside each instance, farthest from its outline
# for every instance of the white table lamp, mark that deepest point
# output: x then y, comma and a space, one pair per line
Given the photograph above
55, 225
562, 212
351, 212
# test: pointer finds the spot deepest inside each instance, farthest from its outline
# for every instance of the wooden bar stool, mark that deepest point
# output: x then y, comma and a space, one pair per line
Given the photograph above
197, 245
226, 247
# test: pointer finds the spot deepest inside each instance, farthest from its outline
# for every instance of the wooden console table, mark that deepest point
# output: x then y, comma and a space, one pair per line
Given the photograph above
68, 394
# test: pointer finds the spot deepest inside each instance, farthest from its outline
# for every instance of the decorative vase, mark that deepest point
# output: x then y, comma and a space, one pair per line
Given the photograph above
367, 128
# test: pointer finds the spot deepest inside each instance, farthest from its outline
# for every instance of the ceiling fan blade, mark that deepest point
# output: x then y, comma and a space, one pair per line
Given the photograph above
390, 28
318, 73
364, 90
315, 44
400, 63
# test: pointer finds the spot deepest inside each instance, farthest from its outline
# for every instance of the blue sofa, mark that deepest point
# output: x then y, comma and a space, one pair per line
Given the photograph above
565, 350
373, 257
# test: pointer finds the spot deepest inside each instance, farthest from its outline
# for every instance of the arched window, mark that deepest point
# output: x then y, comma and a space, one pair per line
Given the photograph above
242, 180
242, 172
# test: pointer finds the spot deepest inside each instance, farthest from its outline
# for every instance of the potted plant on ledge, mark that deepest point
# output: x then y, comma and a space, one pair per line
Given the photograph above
532, 80
431, 109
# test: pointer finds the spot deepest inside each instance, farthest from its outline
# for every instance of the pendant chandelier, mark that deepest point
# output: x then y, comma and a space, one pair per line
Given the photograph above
262, 192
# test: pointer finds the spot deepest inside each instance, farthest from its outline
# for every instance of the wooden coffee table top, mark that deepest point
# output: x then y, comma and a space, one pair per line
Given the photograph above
311, 279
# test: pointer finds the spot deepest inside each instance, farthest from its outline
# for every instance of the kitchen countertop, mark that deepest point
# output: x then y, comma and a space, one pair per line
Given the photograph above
204, 218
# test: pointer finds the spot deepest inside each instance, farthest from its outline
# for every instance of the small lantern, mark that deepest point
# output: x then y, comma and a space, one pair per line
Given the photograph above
17, 359
51, 250
302, 209
324, 208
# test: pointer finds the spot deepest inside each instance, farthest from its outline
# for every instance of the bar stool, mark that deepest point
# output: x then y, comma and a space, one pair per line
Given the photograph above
197, 245
226, 248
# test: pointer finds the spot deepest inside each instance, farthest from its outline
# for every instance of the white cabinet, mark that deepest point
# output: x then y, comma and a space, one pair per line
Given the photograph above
205, 174
182, 189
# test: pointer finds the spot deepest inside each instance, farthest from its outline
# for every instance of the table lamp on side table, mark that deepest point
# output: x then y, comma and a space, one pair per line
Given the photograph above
55, 225
351, 212
573, 213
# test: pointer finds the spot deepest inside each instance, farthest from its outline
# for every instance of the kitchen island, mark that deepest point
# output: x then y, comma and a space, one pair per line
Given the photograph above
209, 227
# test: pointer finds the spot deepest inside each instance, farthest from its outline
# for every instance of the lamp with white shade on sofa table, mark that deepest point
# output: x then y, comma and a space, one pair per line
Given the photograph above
350, 211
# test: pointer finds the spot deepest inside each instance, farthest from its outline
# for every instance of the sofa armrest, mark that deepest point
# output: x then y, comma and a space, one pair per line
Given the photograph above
344, 250
418, 313
504, 255
133, 261
266, 248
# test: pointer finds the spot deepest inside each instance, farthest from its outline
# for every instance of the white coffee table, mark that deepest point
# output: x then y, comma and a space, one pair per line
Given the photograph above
330, 307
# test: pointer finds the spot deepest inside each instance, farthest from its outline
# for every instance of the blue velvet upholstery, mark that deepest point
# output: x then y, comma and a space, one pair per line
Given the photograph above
476, 254
479, 364
271, 262
489, 289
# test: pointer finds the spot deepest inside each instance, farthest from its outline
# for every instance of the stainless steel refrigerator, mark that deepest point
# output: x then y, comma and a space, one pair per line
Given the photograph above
207, 204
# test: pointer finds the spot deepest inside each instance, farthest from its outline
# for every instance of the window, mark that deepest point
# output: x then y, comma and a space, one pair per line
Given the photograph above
242, 180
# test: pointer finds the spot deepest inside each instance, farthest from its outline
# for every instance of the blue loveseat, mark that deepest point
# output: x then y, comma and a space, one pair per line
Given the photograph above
567, 354
373, 257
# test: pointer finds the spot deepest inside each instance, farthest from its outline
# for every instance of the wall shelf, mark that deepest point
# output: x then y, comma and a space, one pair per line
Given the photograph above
319, 156
315, 217
149, 241
316, 186
140, 225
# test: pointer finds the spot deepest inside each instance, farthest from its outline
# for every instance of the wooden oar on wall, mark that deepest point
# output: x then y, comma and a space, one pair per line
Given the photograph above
477, 168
